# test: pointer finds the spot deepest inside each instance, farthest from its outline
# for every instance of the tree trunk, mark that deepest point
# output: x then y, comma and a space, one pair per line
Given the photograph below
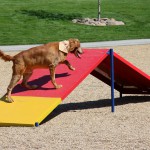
99, 10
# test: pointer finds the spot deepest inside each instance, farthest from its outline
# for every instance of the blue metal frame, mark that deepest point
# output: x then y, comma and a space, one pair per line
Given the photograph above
36, 124
111, 53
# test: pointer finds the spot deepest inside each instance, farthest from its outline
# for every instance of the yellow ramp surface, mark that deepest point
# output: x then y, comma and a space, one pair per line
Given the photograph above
26, 111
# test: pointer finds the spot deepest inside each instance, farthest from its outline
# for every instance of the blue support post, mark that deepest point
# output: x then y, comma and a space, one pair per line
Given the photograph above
36, 124
112, 80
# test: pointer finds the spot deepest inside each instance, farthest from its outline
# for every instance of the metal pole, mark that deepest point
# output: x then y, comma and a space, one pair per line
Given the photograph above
112, 80
99, 10
36, 124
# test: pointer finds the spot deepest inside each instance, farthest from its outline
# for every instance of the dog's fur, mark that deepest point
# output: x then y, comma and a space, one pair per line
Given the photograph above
45, 56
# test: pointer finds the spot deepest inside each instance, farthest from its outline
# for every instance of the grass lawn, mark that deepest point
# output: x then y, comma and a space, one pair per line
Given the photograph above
41, 21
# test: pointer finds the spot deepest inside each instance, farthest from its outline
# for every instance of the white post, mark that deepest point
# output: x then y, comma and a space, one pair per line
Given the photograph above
99, 10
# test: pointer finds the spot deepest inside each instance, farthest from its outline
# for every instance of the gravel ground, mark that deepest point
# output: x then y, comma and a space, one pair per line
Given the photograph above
84, 120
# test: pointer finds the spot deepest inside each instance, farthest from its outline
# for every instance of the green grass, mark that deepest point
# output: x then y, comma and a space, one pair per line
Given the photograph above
36, 21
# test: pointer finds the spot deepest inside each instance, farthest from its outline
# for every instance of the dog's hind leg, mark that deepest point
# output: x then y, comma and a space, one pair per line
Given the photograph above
18, 70
26, 77
13, 82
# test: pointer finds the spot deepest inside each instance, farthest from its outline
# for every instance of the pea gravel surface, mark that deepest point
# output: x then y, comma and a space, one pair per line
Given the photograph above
84, 120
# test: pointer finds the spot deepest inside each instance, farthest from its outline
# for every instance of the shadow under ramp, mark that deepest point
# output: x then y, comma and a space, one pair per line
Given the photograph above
95, 104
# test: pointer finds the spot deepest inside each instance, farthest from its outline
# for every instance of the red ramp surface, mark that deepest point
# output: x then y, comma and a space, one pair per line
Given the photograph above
68, 78
128, 79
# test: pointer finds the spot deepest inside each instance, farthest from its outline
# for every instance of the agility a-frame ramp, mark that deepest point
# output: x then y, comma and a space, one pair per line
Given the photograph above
32, 106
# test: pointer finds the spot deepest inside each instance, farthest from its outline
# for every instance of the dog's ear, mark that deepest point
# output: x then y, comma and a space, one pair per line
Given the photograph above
64, 46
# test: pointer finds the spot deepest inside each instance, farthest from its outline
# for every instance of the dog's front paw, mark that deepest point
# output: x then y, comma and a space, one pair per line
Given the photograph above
72, 68
58, 86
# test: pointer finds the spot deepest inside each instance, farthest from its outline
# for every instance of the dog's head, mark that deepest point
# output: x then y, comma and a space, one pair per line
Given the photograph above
72, 46
75, 47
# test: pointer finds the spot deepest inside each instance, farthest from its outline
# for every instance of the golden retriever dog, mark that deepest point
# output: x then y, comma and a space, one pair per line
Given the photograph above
45, 56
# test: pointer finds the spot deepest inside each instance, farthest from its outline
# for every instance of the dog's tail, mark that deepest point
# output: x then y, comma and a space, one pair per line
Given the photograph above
5, 57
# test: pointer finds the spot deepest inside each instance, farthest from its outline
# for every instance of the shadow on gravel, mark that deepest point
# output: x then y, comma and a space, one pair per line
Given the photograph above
95, 104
